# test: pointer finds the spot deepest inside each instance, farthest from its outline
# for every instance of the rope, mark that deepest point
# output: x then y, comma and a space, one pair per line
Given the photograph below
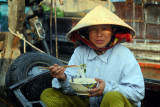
23, 38
25, 41
24, 46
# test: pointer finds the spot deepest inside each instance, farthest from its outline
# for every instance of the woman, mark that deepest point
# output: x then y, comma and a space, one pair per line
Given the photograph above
120, 81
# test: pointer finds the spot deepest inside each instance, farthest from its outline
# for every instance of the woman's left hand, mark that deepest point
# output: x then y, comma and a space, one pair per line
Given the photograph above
98, 91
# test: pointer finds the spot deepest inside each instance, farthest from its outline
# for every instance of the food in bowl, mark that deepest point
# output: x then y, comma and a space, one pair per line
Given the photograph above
81, 85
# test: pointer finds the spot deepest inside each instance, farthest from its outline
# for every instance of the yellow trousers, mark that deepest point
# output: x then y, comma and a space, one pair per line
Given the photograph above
55, 98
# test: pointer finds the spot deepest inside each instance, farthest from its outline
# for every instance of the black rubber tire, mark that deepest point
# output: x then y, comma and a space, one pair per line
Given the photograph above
21, 67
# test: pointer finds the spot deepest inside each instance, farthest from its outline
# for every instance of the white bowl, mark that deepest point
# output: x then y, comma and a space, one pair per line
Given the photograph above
81, 86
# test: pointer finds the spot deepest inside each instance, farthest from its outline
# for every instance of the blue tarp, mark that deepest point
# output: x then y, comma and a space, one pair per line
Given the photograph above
4, 16
118, 0
3, 0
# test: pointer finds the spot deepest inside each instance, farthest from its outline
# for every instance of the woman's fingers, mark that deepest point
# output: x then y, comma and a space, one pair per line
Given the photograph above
98, 91
59, 71
98, 80
95, 92
56, 71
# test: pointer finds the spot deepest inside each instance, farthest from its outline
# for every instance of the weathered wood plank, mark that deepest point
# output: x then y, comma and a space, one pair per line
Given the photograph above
2, 39
145, 52
1, 45
2, 36
11, 47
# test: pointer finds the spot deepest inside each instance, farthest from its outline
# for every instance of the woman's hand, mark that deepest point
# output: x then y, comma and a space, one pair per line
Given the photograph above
57, 72
98, 91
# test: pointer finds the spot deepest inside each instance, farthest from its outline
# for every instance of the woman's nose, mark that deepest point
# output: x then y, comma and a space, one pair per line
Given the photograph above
99, 33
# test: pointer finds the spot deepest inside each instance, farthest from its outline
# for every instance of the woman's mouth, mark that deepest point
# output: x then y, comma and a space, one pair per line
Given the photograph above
99, 41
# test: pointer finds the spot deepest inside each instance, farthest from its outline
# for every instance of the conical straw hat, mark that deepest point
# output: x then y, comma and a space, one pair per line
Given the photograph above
100, 15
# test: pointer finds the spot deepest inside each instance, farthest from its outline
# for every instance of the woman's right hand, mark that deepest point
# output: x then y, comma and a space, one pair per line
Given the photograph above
57, 72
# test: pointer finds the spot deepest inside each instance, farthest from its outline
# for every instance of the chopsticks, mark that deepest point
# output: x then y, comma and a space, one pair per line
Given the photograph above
65, 66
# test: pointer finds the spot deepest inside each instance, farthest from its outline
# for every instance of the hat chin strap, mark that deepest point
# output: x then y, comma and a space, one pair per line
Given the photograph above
118, 38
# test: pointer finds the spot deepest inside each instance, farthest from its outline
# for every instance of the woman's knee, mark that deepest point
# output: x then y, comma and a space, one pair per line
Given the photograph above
47, 90
53, 97
115, 99
50, 92
112, 95
112, 99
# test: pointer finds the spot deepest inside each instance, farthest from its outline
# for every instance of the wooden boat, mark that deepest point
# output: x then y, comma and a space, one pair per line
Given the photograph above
26, 92
151, 73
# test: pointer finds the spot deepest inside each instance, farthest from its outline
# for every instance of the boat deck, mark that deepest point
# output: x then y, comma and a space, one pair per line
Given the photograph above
151, 73
150, 70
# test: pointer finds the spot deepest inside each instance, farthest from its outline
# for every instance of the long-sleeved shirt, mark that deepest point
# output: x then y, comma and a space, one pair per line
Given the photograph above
117, 67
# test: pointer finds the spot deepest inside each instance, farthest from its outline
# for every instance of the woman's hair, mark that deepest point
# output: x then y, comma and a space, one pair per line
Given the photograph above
84, 32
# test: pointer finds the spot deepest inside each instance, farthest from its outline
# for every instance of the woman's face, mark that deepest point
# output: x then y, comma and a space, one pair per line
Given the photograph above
100, 35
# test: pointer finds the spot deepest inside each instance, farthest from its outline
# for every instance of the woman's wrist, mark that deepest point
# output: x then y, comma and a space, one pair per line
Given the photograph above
63, 78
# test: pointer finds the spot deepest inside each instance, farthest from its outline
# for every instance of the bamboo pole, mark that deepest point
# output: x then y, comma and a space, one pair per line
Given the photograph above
56, 39
51, 47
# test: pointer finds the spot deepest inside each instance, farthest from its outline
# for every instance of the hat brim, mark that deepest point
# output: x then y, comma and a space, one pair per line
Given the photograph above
98, 16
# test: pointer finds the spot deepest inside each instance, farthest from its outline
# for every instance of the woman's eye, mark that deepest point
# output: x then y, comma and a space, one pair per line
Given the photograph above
91, 29
104, 28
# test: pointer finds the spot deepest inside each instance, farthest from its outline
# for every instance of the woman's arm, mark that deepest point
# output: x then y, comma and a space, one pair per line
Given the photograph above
62, 81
